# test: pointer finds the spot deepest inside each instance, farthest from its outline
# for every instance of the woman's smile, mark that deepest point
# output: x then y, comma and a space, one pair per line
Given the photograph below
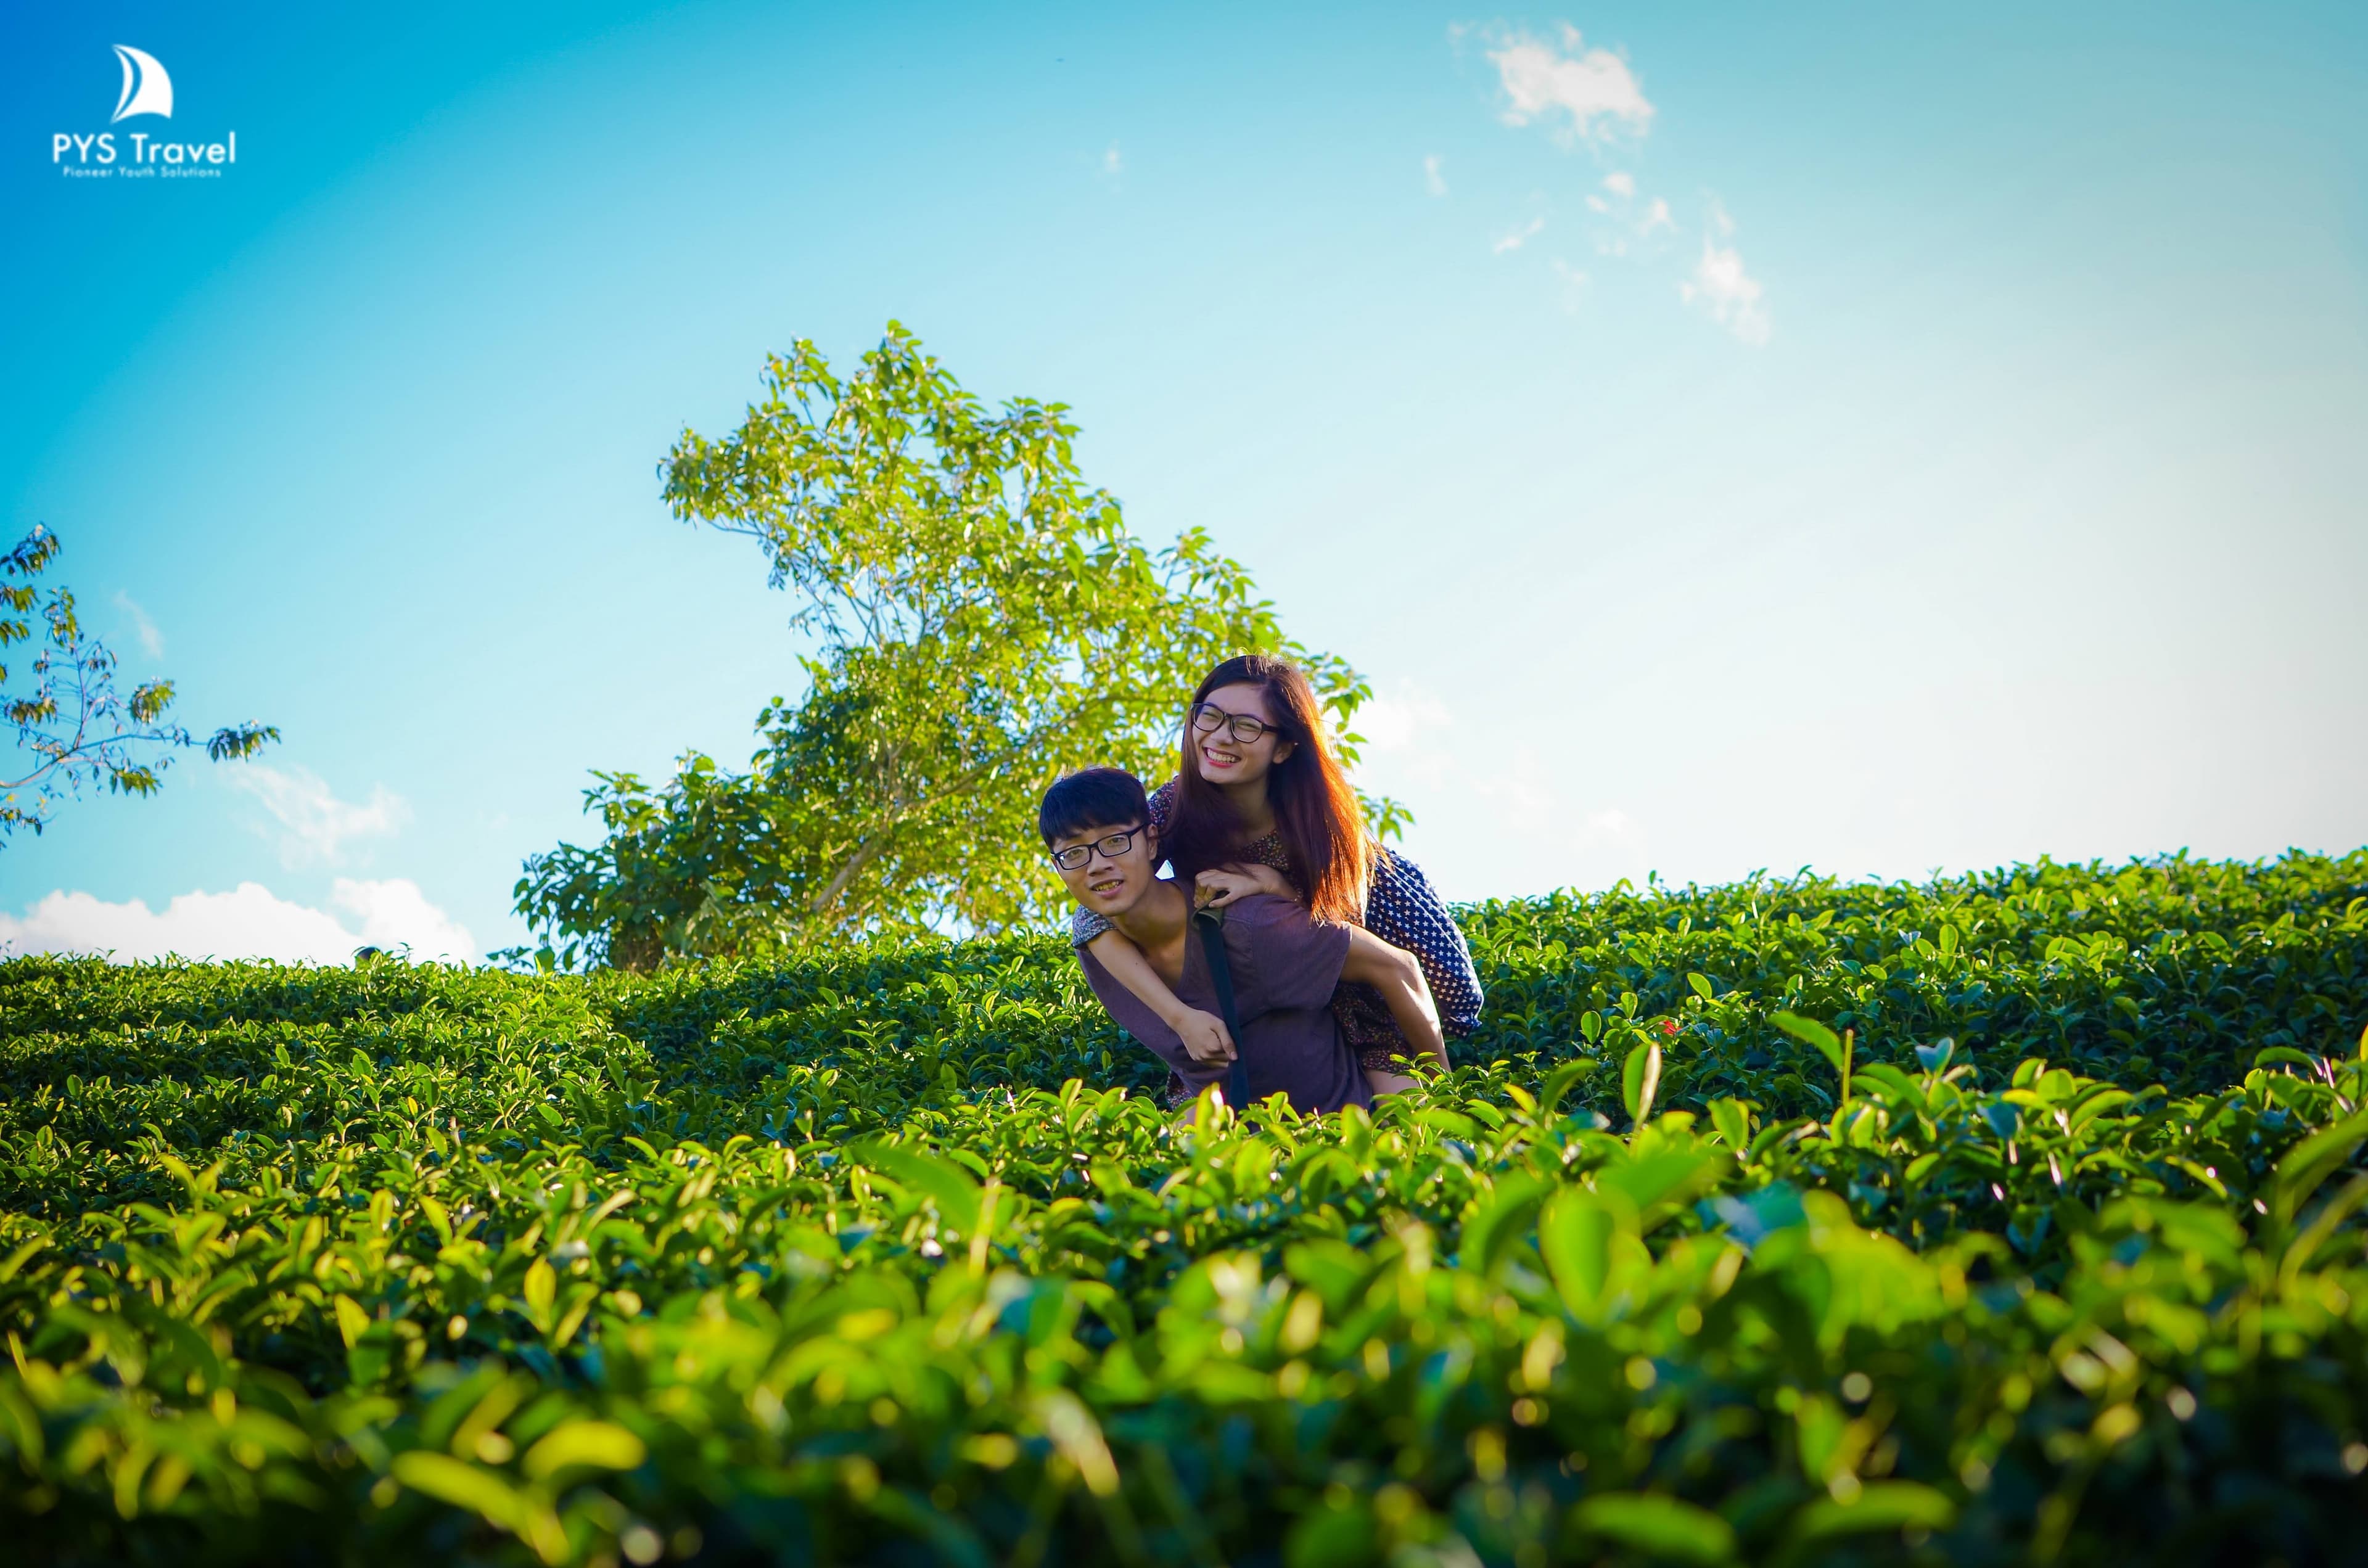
1217, 748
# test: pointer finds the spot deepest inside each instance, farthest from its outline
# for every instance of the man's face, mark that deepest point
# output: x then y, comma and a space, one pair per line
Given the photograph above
1110, 883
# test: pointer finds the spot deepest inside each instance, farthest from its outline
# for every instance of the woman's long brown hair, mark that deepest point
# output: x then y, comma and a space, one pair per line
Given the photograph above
1316, 810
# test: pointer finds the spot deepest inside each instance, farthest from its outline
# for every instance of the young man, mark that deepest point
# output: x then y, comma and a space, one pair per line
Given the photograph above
1285, 963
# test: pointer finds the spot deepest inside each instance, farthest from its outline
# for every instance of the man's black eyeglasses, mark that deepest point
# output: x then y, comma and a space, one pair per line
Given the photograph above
1207, 718
1112, 847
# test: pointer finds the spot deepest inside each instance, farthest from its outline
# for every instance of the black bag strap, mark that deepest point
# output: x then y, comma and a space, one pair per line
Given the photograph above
1211, 926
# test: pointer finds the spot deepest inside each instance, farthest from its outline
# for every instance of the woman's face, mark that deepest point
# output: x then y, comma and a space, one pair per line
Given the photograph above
1223, 758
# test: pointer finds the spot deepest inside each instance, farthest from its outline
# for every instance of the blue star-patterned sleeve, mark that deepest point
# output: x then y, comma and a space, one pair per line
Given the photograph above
1402, 910
1084, 925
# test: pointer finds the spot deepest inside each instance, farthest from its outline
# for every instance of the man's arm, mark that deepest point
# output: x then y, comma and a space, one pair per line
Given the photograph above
1398, 975
1203, 1034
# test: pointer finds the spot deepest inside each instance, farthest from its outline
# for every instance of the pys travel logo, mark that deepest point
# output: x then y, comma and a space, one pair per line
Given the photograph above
147, 85
141, 155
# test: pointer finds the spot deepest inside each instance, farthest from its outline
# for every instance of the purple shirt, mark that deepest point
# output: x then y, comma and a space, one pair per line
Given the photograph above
1285, 964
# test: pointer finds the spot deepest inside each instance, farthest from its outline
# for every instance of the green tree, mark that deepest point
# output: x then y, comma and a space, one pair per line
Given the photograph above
77, 729
984, 622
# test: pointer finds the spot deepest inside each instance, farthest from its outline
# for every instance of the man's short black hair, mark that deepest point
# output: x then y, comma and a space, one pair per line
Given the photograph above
1092, 796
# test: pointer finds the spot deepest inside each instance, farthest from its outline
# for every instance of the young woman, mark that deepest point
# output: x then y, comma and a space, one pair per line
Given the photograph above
1259, 804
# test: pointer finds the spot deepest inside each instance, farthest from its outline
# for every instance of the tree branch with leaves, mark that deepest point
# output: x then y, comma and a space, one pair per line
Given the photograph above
75, 729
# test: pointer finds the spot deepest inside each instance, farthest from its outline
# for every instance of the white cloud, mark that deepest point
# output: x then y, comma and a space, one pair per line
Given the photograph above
1586, 85
1395, 722
1620, 208
1516, 238
316, 824
1535, 836
1591, 95
395, 914
1733, 297
247, 923
142, 627
1112, 162
1432, 181
1574, 285
1402, 728
1577, 846
1523, 793
1611, 846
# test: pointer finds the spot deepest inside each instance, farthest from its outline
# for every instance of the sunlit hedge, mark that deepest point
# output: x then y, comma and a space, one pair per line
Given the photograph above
888, 1256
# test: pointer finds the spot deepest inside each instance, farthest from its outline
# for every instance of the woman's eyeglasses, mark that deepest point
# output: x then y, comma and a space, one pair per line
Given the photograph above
1208, 718
1116, 845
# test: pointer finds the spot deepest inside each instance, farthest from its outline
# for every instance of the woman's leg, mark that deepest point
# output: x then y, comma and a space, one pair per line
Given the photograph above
1374, 1036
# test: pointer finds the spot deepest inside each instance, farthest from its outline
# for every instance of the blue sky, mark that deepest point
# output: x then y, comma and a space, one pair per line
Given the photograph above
1878, 438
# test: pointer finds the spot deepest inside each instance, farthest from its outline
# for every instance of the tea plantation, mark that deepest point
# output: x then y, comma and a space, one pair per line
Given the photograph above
2051, 1251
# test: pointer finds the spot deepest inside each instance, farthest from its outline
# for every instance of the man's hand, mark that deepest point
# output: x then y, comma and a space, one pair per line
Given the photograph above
1219, 888
1204, 1035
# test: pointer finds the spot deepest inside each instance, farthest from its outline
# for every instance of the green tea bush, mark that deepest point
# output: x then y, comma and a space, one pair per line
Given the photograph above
1998, 1219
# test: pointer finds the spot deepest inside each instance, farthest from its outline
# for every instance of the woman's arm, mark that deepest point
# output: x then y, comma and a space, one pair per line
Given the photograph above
1219, 888
1396, 974
1203, 1034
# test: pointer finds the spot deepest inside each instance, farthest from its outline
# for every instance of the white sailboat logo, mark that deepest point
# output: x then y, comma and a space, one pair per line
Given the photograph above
146, 88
